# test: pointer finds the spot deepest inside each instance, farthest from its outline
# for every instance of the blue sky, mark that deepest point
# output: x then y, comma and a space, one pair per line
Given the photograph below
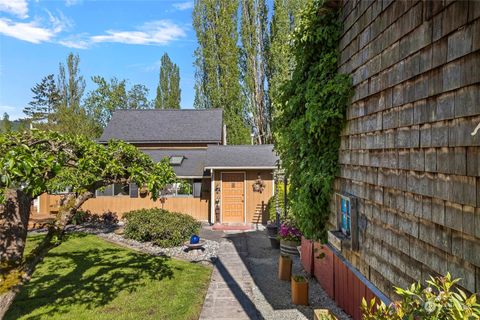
125, 39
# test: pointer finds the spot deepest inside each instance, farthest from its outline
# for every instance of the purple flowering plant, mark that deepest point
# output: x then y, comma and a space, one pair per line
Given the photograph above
289, 232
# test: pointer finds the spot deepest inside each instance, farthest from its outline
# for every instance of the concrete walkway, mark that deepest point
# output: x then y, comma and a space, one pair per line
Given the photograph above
230, 291
244, 283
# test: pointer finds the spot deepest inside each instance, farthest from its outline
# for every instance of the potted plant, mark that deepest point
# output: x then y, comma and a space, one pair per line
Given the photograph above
299, 290
290, 238
284, 267
272, 231
323, 314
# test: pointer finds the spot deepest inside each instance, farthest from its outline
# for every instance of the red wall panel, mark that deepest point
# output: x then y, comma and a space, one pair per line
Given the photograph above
307, 255
336, 278
323, 269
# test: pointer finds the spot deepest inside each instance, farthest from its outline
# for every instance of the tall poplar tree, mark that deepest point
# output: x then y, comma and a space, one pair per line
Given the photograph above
216, 61
71, 116
168, 90
280, 59
254, 36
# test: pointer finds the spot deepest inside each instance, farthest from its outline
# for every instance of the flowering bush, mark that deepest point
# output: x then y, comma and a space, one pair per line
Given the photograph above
437, 301
289, 232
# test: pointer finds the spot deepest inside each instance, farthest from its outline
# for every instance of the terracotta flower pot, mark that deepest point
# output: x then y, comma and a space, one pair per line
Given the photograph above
284, 267
299, 290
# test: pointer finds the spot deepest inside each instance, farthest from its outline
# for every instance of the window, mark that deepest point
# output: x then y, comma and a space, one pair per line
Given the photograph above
347, 220
179, 189
176, 160
345, 225
114, 190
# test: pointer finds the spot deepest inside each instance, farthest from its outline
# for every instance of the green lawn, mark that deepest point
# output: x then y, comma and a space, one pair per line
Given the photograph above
88, 278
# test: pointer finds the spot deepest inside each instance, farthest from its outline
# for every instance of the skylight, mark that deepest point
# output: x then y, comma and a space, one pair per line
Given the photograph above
176, 160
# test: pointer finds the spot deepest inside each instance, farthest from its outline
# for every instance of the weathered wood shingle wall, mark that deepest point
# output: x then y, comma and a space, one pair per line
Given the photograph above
407, 152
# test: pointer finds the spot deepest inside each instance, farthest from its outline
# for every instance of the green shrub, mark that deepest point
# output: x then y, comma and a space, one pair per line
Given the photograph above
163, 228
437, 301
281, 203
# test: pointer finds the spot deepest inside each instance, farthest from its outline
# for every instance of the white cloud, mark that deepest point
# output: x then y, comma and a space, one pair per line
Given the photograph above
158, 32
27, 31
35, 31
78, 41
18, 8
183, 5
70, 3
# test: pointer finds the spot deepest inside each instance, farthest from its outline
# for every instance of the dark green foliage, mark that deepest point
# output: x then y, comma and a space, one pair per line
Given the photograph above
83, 217
45, 102
217, 72
311, 116
281, 203
168, 90
163, 228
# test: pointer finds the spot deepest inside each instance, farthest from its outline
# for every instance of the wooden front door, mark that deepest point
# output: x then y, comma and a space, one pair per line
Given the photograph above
233, 197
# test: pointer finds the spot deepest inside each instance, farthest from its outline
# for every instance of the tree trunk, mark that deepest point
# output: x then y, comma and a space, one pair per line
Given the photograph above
14, 216
68, 207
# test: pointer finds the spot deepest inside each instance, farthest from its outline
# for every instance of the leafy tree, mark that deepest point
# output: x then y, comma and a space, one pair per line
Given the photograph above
137, 97
106, 98
216, 60
6, 123
168, 90
113, 95
254, 36
311, 116
35, 162
71, 83
71, 116
45, 101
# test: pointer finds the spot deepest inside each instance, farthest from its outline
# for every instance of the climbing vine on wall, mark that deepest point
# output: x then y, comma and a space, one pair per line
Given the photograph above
312, 115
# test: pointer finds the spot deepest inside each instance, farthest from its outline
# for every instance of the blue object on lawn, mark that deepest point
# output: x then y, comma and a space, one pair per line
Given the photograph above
194, 239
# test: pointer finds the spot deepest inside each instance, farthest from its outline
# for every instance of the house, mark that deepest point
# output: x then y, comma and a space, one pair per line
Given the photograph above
221, 183
408, 190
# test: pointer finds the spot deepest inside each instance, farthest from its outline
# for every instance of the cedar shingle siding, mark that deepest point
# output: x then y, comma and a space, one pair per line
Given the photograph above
407, 152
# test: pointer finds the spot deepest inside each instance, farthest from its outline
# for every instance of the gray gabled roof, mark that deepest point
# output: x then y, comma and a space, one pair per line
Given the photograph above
244, 156
192, 165
165, 126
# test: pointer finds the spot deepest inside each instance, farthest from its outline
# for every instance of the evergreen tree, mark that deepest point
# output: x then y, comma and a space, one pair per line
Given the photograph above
254, 36
168, 90
216, 61
280, 60
45, 101
6, 123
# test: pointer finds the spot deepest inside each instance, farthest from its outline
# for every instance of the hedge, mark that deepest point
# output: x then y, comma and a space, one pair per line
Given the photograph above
162, 227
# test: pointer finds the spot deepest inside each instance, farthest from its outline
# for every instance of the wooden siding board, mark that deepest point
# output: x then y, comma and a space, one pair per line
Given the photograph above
407, 147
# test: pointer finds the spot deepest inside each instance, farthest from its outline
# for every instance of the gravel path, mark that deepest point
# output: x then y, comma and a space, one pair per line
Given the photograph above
245, 286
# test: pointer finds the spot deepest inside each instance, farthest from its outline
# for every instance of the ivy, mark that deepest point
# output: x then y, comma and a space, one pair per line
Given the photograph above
312, 115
